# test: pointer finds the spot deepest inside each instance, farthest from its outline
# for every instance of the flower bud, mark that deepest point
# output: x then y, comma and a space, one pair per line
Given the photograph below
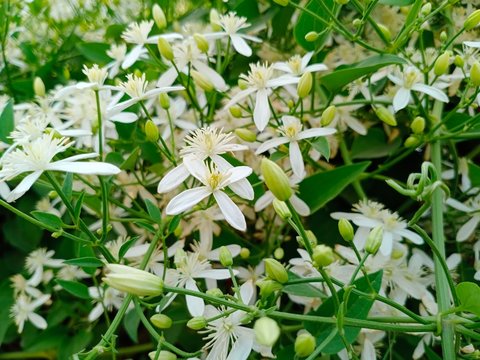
279, 253
235, 111
458, 61
164, 101
412, 141
133, 281
323, 255
426, 9
244, 253
441, 64
202, 81
161, 321
305, 85
201, 42
159, 17
475, 73
268, 287
418, 125
328, 115
374, 240
276, 271
215, 20
163, 355
311, 238
276, 180
225, 256
311, 36
39, 87
472, 20
385, 31
305, 344
197, 323
180, 257
356, 23
151, 131
216, 292
443, 36
385, 115
57, 234
242, 84
281, 209
165, 49
245, 134
281, 2
345, 229
267, 331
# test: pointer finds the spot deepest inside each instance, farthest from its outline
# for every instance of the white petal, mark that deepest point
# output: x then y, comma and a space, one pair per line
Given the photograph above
458, 205
240, 96
212, 75
263, 201
468, 228
24, 186
217, 274
132, 56
38, 321
395, 79
173, 179
261, 113
401, 99
316, 132
241, 45
243, 188
186, 200
122, 106
96, 312
271, 144
196, 168
238, 173
230, 210
355, 125
432, 91
195, 305
241, 348
387, 243
410, 235
296, 159
300, 206
124, 117
168, 77
92, 167
368, 352
474, 44
246, 291
316, 67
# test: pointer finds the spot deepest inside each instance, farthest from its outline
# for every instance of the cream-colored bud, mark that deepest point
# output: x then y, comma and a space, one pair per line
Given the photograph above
159, 17
311, 36
305, 84
39, 87
328, 115
385, 115
426, 9
345, 229
245, 134
281, 209
225, 257
443, 36
276, 180
133, 281
441, 64
475, 73
151, 131
267, 331
165, 49
305, 344
202, 81
418, 125
374, 240
472, 20
161, 321
323, 255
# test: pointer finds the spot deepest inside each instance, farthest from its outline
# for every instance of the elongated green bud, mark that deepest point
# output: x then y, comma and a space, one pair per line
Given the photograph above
267, 331
311, 36
328, 115
426, 9
345, 229
161, 321
159, 17
418, 125
164, 101
305, 85
472, 20
201, 42
356, 23
323, 255
151, 131
202, 81
385, 115
281, 2
412, 141
197, 323
276, 180
215, 292
305, 344
165, 49
245, 134
133, 281
276, 271
475, 73
225, 256
268, 287
39, 87
441, 64
385, 31
281, 209
458, 61
374, 240
236, 111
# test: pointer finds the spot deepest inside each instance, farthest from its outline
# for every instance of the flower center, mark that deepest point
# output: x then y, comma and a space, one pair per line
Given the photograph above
295, 64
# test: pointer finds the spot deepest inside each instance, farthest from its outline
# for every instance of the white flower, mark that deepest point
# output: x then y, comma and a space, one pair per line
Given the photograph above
24, 309
412, 80
96, 77
370, 214
292, 133
177, 108
37, 260
297, 65
463, 172
106, 299
344, 119
472, 208
214, 181
22, 286
231, 24
260, 81
117, 53
36, 157
227, 338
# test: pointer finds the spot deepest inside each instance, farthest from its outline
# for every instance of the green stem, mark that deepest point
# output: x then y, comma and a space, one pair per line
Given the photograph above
348, 161
324, 343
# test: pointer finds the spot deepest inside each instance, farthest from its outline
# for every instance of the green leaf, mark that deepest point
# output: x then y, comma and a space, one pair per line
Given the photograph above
95, 52
67, 186
75, 288
130, 323
129, 163
74, 344
396, 2
468, 293
307, 23
85, 262
305, 289
321, 145
474, 174
357, 308
7, 123
153, 211
6, 301
174, 223
320, 188
125, 246
344, 75
373, 145
78, 207
431, 355
48, 219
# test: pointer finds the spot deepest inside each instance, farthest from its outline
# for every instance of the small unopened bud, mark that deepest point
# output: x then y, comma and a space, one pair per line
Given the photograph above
385, 31
161, 321
475, 73
305, 85
418, 125
412, 141
312, 239
225, 256
374, 240
426, 9
472, 20
162, 355
235, 111
159, 17
201, 42
267, 331
151, 131
443, 36
164, 101
305, 344
242, 84
441, 64
323, 255
245, 135
57, 234
281, 209
276, 271
133, 281
202, 81
245, 253
279, 253
311, 36
268, 287
290, 104
276, 180
39, 87
197, 323
216, 292
385, 115
281, 2
165, 49
356, 23
345, 229
458, 61
328, 115
52, 194
215, 20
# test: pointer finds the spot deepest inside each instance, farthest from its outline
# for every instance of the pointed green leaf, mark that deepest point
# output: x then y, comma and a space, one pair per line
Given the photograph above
75, 288
48, 219
153, 211
468, 293
7, 123
85, 262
